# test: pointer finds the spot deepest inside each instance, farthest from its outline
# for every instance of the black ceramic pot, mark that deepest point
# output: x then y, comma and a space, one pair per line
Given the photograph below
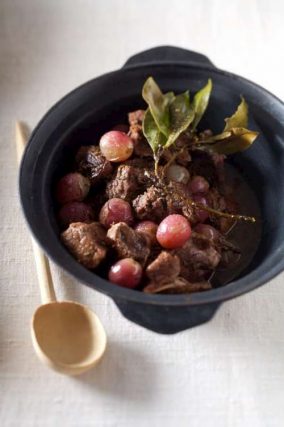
93, 108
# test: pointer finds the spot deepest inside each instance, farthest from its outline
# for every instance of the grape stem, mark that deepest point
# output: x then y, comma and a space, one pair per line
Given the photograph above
188, 200
223, 214
191, 203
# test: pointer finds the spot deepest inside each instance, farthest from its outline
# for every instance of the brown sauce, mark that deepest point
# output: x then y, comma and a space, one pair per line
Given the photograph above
245, 235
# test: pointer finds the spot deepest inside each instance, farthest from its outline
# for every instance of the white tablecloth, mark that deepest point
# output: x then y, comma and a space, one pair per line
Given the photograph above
229, 372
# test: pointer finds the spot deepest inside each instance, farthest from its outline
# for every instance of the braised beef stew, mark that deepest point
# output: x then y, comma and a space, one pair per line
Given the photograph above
151, 206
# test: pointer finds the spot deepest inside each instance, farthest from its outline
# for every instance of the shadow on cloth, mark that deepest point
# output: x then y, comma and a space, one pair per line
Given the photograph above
123, 371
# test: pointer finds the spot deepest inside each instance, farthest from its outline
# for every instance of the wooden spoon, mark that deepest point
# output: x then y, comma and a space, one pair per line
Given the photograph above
67, 336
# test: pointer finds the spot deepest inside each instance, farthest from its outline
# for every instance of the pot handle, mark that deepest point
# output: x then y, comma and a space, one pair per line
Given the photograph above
166, 319
168, 54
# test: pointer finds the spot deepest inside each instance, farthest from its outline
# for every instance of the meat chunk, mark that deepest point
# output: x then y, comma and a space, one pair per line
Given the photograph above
182, 143
180, 152
164, 269
155, 252
178, 286
131, 178
156, 203
87, 242
135, 119
216, 200
178, 200
93, 164
221, 203
230, 253
141, 146
128, 243
124, 184
144, 170
198, 257
151, 205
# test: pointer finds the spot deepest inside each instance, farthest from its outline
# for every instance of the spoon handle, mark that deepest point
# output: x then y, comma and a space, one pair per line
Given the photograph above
44, 275
42, 264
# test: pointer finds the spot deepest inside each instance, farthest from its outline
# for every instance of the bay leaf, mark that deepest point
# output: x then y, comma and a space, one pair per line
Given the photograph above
152, 133
158, 104
240, 118
229, 142
200, 102
181, 115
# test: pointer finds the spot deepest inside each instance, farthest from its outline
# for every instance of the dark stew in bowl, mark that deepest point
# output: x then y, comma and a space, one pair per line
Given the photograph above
151, 206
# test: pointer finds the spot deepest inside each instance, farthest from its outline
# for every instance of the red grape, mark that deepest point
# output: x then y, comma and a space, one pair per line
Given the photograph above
116, 146
148, 228
208, 231
75, 212
114, 211
126, 272
198, 184
173, 231
178, 174
200, 214
72, 187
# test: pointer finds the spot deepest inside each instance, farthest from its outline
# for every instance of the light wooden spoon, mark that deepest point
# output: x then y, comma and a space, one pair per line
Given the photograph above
67, 336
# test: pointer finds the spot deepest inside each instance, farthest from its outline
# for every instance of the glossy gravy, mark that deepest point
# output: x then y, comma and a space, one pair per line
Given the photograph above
245, 235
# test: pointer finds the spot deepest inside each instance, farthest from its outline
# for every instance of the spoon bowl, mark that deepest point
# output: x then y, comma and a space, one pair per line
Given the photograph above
68, 337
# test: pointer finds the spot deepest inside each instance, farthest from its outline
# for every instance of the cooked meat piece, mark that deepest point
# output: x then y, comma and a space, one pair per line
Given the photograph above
178, 286
155, 252
178, 200
156, 203
151, 205
128, 243
124, 184
136, 117
164, 269
141, 146
230, 253
182, 143
130, 179
183, 158
144, 171
198, 257
229, 258
216, 200
93, 164
87, 242
135, 120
